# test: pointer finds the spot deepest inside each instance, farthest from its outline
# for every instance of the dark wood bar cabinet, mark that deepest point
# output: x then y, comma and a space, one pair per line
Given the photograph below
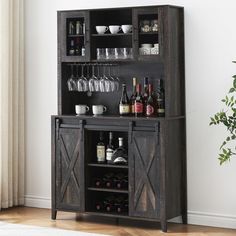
156, 146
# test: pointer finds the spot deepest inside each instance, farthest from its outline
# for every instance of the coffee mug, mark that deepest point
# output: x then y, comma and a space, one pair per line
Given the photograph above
114, 29
81, 109
101, 29
98, 109
126, 28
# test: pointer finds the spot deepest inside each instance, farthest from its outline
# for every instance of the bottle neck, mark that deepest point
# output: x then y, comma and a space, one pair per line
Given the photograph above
120, 142
134, 85
138, 89
150, 90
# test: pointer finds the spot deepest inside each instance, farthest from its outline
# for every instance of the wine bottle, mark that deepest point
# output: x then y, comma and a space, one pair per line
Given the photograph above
124, 107
109, 203
160, 98
150, 105
145, 93
133, 96
138, 104
72, 48
120, 155
119, 180
110, 149
108, 180
98, 182
98, 206
101, 149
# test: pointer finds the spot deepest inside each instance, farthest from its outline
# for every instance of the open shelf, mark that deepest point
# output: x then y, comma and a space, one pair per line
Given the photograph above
111, 35
75, 35
104, 213
108, 166
110, 190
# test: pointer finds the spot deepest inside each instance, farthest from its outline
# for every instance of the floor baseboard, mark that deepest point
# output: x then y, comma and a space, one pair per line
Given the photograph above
194, 217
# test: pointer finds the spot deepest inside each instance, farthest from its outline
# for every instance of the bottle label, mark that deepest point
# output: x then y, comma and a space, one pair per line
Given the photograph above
124, 109
100, 153
109, 154
149, 110
159, 110
132, 109
138, 107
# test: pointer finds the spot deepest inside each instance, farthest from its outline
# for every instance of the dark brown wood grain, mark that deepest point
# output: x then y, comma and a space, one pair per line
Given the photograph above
157, 146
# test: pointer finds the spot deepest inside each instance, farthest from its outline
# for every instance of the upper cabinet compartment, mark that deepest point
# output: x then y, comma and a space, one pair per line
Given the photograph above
147, 31
111, 34
74, 45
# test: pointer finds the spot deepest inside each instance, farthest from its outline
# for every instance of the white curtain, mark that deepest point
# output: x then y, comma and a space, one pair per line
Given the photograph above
12, 151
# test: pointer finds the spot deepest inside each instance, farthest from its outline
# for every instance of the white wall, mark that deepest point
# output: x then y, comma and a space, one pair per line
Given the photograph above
210, 47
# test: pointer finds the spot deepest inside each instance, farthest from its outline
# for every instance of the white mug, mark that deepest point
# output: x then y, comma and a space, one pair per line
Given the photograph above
98, 109
114, 29
126, 28
81, 109
101, 29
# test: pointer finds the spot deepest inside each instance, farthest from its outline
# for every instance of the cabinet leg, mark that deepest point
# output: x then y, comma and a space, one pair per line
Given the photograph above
164, 225
185, 218
54, 214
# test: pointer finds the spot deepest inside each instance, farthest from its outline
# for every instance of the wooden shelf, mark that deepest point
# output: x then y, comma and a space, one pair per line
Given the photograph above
111, 35
112, 214
75, 35
108, 190
148, 33
108, 166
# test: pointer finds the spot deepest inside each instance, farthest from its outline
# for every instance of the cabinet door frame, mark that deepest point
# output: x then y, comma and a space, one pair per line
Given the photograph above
147, 11
62, 35
77, 156
152, 185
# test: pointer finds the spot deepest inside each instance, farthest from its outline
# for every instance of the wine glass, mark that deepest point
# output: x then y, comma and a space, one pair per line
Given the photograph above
116, 80
107, 81
96, 82
92, 81
82, 81
71, 82
102, 82
112, 81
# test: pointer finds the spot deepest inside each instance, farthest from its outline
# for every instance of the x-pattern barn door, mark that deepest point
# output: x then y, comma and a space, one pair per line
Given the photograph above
68, 175
144, 174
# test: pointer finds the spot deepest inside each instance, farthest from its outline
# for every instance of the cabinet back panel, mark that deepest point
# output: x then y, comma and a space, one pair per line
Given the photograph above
126, 71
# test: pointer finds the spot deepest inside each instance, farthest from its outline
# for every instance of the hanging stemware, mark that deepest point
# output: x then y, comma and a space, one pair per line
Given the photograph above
71, 82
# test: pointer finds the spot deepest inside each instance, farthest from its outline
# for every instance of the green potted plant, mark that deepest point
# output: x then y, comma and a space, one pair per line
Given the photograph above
227, 117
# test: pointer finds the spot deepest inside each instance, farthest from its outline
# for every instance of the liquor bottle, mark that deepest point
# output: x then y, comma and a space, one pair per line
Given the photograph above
150, 104
124, 107
133, 96
110, 149
145, 93
160, 98
121, 204
138, 104
71, 28
72, 48
120, 155
77, 48
101, 149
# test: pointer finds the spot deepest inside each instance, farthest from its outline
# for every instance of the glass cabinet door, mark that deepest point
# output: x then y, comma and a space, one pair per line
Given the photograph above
147, 26
75, 40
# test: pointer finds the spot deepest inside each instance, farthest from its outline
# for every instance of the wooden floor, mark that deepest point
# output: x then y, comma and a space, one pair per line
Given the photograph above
71, 221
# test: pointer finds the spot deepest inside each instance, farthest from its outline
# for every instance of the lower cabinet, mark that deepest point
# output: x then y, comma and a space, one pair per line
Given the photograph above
144, 179
145, 194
